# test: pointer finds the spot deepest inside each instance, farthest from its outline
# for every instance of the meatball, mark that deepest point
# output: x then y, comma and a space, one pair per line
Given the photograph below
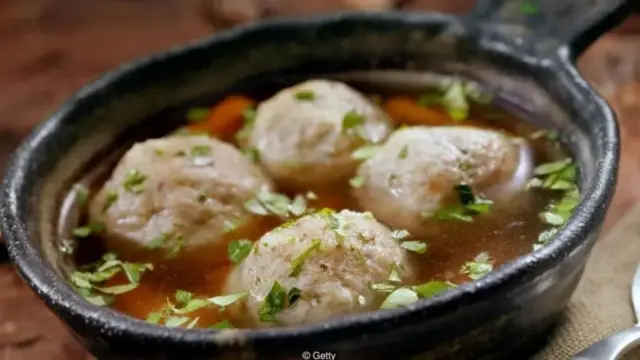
305, 134
178, 196
414, 173
329, 259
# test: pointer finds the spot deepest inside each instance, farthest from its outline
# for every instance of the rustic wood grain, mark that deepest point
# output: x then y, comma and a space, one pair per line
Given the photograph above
49, 48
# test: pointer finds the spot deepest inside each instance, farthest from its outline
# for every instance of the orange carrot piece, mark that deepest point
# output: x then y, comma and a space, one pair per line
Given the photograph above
408, 111
225, 118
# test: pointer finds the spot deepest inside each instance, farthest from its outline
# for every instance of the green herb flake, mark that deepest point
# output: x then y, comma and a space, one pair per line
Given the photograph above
191, 306
273, 303
175, 321
481, 265
134, 181
252, 154
196, 115
238, 250
553, 167
87, 230
528, 7
418, 247
404, 152
305, 95
395, 275
399, 297
154, 317
116, 289
81, 193
183, 297
224, 324
159, 241
351, 120
298, 205
201, 150
399, 235
550, 135
176, 248
356, 182
544, 238
298, 261
133, 271
455, 101
192, 324
365, 152
249, 116
552, 218
110, 198
382, 287
432, 288
225, 300
293, 295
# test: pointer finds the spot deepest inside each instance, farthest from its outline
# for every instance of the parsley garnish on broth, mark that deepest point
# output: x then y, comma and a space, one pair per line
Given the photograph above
558, 176
88, 230
455, 98
405, 295
110, 198
82, 194
89, 280
238, 250
196, 115
469, 205
267, 202
481, 265
187, 303
273, 303
365, 152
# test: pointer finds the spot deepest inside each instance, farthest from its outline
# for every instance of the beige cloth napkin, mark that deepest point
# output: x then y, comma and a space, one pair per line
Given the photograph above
601, 304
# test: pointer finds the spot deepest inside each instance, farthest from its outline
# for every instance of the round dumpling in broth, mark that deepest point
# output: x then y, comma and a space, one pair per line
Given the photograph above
181, 196
305, 134
414, 174
328, 260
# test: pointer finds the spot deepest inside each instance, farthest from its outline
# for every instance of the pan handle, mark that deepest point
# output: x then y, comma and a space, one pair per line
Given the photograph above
548, 26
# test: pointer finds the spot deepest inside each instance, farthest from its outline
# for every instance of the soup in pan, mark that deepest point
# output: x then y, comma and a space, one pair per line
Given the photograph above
317, 201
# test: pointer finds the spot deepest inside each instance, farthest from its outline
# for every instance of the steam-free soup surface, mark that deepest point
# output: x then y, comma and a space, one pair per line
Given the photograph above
275, 244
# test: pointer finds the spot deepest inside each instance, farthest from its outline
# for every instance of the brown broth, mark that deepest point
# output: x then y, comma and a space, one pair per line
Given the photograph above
504, 233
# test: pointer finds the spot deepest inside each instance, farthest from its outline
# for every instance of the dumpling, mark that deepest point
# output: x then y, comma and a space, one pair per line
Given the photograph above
414, 173
329, 260
180, 195
305, 134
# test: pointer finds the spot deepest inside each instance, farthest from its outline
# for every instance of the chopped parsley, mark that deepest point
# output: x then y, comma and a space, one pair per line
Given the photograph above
432, 288
82, 194
249, 117
224, 324
559, 176
550, 135
305, 95
481, 265
89, 229
365, 152
454, 98
196, 115
89, 280
110, 198
271, 203
395, 274
418, 247
356, 182
404, 152
399, 297
351, 120
201, 155
528, 7
399, 235
134, 181
469, 206
176, 248
230, 226
183, 297
382, 287
293, 295
159, 241
252, 154
298, 261
273, 303
226, 300
238, 250
455, 101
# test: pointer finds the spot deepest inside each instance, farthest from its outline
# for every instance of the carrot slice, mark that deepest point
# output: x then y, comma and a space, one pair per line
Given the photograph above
225, 118
407, 110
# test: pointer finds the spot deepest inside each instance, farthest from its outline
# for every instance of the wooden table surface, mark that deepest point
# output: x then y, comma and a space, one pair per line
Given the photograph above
49, 48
